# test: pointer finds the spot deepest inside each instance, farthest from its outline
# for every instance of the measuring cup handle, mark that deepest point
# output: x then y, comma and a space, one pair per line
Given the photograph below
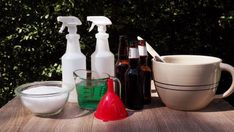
119, 83
229, 69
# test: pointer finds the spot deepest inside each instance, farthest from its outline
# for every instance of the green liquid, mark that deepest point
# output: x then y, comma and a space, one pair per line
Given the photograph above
90, 93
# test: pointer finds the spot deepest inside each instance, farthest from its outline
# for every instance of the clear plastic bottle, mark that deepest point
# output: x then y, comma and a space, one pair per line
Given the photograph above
73, 58
102, 60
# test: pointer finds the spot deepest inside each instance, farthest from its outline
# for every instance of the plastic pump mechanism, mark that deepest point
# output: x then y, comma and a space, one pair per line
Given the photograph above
100, 21
70, 22
110, 106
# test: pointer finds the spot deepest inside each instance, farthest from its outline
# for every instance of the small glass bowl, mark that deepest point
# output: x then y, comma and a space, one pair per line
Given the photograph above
45, 98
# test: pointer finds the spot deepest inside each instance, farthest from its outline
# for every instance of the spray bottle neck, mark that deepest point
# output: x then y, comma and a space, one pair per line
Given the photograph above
73, 43
102, 43
101, 28
72, 29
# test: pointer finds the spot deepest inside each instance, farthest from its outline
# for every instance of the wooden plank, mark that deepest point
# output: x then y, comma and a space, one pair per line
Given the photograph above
156, 117
13, 116
72, 119
218, 116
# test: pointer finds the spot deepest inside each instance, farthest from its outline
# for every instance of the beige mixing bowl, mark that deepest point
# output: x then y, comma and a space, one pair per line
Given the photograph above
189, 82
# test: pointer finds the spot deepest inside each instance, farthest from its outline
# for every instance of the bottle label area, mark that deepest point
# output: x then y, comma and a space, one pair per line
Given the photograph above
133, 53
142, 50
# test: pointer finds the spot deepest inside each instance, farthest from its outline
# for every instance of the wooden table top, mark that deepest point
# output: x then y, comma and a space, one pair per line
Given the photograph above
218, 116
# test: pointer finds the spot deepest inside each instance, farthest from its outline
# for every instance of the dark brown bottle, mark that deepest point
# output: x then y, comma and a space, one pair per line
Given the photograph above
121, 65
134, 92
145, 72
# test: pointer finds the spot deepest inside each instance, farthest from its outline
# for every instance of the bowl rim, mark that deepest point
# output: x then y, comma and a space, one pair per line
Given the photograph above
18, 90
216, 60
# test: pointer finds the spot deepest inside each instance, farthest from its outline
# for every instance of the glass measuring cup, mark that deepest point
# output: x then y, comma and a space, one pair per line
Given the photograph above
90, 87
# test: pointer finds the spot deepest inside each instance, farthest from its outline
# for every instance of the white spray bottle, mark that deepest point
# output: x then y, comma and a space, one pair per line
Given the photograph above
102, 60
73, 58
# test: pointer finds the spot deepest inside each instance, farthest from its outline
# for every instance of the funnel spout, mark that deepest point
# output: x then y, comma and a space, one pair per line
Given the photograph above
110, 85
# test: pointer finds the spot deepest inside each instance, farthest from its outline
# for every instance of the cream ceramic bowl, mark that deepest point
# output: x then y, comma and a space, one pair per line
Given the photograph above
189, 82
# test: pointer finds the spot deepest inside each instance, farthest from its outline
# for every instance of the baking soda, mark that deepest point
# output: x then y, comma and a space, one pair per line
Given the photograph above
45, 103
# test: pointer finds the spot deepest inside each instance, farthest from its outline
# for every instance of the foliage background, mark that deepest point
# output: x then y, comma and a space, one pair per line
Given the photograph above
31, 47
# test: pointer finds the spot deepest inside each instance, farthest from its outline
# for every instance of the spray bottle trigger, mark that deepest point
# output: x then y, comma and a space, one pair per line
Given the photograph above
62, 28
92, 26
70, 22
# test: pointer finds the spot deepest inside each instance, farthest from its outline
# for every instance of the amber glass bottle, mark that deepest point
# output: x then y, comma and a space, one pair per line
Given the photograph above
121, 65
145, 72
134, 92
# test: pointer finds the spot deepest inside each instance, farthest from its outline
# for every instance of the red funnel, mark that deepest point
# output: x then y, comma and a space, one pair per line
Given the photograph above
110, 107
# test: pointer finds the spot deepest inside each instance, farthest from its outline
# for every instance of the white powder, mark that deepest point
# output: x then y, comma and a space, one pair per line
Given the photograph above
44, 104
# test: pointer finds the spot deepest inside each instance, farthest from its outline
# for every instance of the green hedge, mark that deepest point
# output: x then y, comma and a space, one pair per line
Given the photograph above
31, 47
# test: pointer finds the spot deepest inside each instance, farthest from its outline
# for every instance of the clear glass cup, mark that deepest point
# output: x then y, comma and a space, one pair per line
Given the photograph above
90, 87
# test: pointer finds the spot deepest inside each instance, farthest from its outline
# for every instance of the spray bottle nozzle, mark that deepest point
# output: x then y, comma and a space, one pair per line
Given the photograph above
100, 21
70, 22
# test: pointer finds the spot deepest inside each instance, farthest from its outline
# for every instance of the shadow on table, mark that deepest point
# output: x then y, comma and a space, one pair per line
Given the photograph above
71, 111
217, 106
155, 103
